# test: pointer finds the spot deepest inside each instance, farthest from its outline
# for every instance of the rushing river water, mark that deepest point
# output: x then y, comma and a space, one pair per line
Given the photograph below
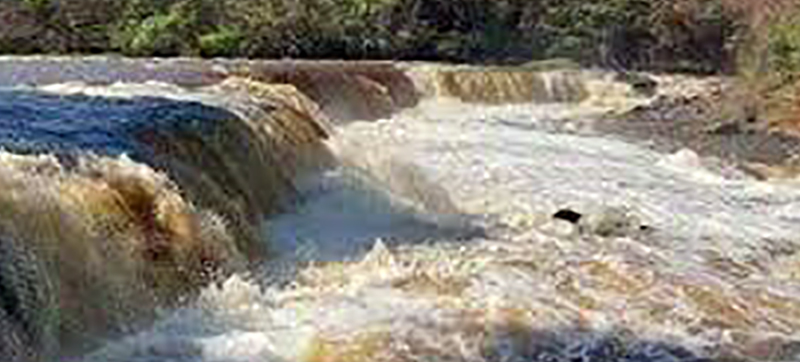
435, 242
244, 211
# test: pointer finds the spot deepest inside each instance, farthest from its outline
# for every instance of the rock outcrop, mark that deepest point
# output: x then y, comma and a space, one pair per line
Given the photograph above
703, 115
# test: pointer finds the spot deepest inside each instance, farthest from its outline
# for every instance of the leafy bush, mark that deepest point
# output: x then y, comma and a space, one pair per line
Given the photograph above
37, 5
784, 44
652, 34
160, 34
223, 42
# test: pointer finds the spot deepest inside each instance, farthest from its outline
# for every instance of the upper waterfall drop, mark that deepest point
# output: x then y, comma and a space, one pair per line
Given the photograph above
134, 195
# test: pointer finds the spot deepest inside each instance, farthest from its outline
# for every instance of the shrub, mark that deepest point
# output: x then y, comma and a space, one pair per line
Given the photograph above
226, 41
784, 45
688, 35
160, 34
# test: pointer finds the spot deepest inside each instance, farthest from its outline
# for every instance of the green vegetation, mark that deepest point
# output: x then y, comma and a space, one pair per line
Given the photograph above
784, 44
781, 94
672, 35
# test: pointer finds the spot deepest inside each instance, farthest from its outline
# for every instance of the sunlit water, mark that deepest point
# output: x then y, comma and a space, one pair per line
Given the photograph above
435, 241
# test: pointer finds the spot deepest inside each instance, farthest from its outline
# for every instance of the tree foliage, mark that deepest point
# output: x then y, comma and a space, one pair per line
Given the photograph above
689, 35
784, 43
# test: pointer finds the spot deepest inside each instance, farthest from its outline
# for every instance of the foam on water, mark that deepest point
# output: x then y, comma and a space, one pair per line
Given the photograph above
713, 273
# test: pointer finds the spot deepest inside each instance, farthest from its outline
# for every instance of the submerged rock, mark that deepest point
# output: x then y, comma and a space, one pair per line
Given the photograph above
607, 222
611, 222
641, 83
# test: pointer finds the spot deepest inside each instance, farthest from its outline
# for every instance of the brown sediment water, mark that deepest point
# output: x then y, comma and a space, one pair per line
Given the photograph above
116, 240
345, 91
510, 86
335, 211
123, 236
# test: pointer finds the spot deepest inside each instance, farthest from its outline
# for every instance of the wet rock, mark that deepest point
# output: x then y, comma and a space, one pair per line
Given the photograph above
708, 120
611, 222
731, 129
568, 215
641, 83
607, 222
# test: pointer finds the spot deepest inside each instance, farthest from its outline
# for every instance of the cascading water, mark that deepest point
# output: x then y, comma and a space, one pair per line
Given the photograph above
700, 261
432, 237
132, 196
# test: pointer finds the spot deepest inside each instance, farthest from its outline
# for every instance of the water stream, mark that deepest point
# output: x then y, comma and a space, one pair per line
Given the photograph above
229, 211
434, 241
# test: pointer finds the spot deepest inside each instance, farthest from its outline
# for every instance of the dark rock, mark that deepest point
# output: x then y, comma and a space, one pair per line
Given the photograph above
568, 215
611, 222
641, 83
727, 129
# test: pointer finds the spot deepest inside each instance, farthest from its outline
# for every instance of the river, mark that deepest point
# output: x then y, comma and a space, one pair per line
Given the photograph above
438, 233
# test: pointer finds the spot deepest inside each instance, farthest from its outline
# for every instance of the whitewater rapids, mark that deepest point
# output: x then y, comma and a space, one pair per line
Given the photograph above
434, 241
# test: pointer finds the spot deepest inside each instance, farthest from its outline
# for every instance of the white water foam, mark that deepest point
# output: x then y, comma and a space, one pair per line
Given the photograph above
719, 259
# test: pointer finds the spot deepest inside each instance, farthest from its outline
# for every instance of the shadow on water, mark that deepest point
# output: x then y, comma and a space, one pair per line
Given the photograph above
36, 122
582, 345
218, 150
